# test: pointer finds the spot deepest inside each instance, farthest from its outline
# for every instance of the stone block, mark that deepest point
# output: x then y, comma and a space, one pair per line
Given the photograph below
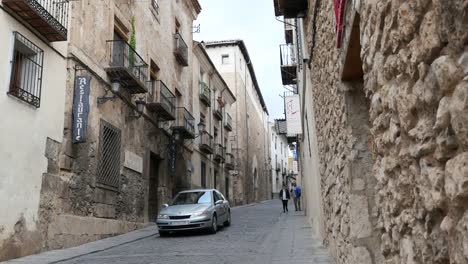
447, 73
359, 217
361, 255
459, 113
105, 196
104, 210
456, 181
52, 149
66, 163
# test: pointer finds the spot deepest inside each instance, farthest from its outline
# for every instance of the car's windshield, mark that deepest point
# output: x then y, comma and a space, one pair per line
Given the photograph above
192, 198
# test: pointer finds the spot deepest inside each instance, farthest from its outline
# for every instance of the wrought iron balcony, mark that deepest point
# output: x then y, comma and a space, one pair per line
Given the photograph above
220, 153
127, 67
161, 101
184, 123
229, 161
49, 17
180, 50
291, 8
228, 122
205, 93
206, 142
218, 111
288, 64
278, 166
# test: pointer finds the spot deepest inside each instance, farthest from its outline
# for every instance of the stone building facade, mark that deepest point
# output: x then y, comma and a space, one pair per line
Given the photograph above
212, 158
384, 149
251, 180
32, 91
134, 60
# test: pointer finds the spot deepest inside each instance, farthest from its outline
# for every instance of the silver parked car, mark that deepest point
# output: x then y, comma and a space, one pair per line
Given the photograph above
195, 209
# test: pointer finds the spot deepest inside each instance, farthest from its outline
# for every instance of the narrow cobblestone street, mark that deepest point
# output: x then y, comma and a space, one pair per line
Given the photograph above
259, 234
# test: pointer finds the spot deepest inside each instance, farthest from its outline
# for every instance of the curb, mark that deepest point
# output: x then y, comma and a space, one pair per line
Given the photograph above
61, 255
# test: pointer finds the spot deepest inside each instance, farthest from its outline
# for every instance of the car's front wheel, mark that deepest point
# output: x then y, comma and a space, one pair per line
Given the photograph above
228, 220
214, 225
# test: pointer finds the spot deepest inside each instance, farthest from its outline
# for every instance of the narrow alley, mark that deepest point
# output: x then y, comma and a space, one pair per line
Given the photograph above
259, 234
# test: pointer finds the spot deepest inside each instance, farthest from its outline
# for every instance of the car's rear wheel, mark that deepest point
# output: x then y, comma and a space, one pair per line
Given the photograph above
214, 225
228, 221
163, 233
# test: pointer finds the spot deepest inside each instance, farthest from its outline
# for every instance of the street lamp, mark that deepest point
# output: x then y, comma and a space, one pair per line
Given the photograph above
201, 127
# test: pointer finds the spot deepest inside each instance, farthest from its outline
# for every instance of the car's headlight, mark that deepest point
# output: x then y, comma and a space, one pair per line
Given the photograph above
204, 213
163, 216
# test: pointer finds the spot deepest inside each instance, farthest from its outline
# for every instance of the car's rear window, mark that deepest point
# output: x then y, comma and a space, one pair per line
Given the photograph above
192, 198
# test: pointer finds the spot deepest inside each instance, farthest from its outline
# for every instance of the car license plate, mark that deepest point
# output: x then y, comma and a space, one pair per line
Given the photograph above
178, 223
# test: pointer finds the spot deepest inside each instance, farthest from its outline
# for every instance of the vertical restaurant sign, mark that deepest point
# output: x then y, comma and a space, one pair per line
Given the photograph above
80, 108
339, 19
293, 114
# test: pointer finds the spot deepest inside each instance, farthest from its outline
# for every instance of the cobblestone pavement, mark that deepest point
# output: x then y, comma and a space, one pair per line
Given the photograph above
258, 234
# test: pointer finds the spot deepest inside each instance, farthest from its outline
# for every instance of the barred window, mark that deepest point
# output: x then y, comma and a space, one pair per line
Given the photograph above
109, 156
26, 71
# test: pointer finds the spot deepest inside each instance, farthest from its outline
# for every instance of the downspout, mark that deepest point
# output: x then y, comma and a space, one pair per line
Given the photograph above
246, 124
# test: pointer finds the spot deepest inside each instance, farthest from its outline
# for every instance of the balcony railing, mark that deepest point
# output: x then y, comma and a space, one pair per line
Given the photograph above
288, 64
220, 151
127, 67
206, 142
218, 111
184, 123
205, 93
228, 122
291, 8
161, 101
229, 161
180, 50
49, 17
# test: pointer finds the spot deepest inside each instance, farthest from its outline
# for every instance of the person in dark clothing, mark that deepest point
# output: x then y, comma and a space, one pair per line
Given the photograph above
284, 197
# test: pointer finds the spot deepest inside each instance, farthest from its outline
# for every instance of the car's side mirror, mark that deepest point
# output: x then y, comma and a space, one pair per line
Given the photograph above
219, 202
165, 205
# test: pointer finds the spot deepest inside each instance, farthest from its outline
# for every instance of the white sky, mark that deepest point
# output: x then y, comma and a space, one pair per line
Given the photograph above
254, 22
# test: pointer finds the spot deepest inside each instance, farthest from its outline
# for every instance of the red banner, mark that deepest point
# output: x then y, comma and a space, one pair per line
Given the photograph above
339, 19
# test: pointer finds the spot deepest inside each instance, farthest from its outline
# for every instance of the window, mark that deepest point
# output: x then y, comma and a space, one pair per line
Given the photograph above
217, 196
281, 144
203, 174
154, 74
26, 71
109, 156
192, 198
225, 59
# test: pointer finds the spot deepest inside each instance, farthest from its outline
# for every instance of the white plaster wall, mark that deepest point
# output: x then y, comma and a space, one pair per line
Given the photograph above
282, 158
24, 130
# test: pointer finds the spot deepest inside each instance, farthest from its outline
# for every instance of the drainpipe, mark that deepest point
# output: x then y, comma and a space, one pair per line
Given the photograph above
246, 120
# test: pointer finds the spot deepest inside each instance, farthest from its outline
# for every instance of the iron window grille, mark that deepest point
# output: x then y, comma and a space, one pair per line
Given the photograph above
109, 156
26, 71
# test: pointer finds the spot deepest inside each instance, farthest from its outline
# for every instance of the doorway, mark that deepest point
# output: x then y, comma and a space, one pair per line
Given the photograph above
153, 205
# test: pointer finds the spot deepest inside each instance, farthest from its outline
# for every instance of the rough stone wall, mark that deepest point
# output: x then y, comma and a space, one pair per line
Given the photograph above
394, 192
415, 58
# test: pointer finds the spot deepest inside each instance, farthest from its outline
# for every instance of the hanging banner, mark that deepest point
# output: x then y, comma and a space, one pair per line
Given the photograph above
293, 114
339, 19
80, 108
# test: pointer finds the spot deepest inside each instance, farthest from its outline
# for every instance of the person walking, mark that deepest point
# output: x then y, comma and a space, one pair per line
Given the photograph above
297, 197
293, 193
284, 196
